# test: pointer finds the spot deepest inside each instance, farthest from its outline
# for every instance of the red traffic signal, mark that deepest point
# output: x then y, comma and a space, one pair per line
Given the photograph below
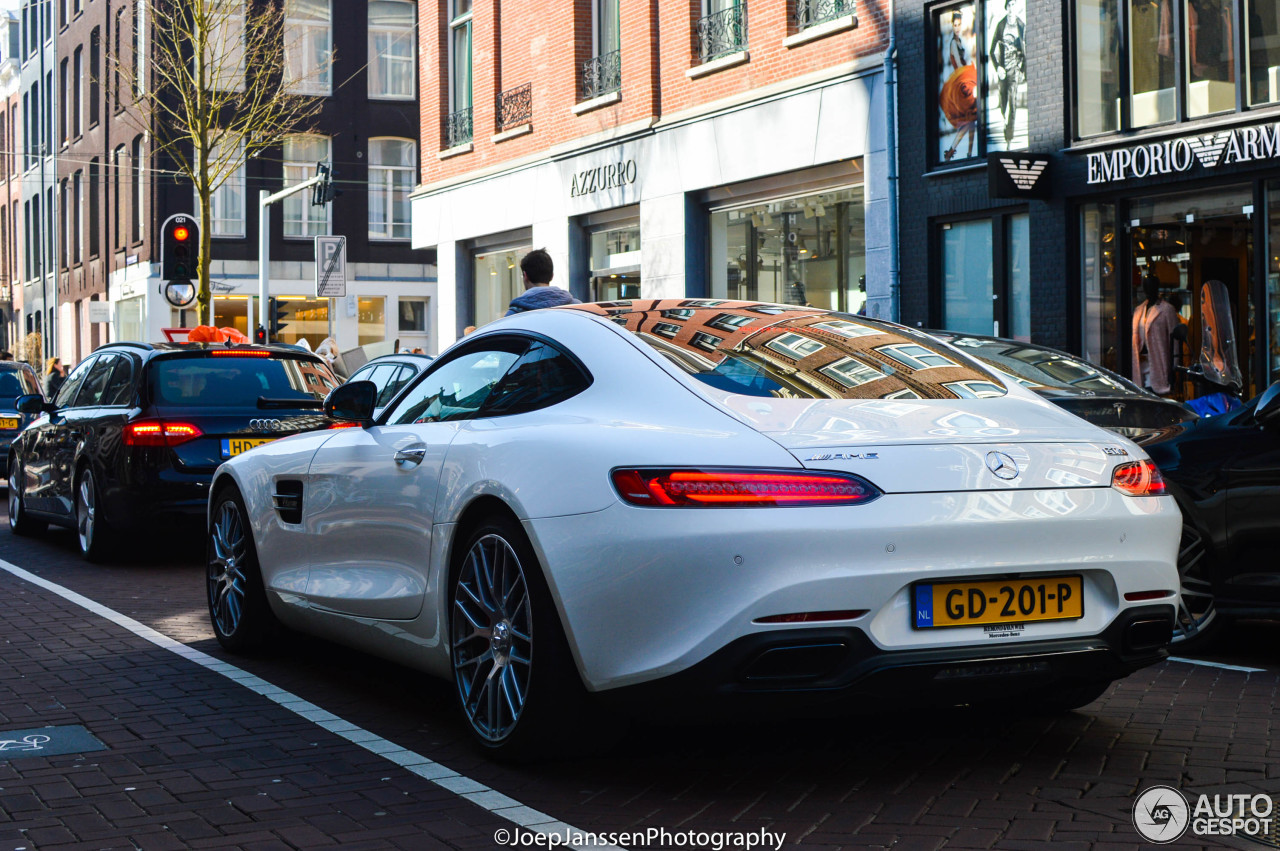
180, 234
179, 247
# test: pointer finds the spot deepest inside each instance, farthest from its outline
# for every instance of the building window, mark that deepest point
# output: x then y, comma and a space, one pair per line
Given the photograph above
391, 168
77, 92
984, 291
65, 211
95, 69
810, 13
77, 217
914, 356
497, 281
1141, 63
722, 30
63, 124
309, 46
666, 329
391, 48
135, 217
979, 46
227, 202
850, 372
93, 207
809, 250
413, 315
135, 59
226, 45
795, 346
115, 66
373, 320
602, 73
458, 123
301, 218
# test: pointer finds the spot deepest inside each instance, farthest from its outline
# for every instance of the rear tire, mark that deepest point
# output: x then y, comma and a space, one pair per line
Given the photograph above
238, 608
516, 685
92, 534
20, 522
1198, 623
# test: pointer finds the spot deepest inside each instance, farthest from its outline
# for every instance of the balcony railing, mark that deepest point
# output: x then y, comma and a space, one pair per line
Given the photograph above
600, 75
810, 13
457, 128
723, 32
515, 107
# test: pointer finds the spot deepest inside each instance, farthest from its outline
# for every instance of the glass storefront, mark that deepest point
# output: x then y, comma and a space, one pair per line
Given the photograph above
497, 280
129, 314
232, 312
809, 250
373, 319
615, 263
303, 318
1099, 312
968, 281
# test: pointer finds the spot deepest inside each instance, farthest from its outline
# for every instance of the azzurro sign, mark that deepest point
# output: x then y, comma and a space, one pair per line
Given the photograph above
1242, 144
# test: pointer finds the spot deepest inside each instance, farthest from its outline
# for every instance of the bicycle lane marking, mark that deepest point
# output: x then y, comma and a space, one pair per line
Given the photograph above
485, 797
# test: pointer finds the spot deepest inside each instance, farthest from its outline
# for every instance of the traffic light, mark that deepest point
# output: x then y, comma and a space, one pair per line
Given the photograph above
276, 312
179, 248
324, 191
260, 335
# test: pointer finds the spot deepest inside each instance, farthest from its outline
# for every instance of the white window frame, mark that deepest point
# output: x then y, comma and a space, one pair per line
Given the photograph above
900, 353
228, 39
457, 21
387, 229
301, 219
377, 56
223, 225
795, 345
851, 372
301, 34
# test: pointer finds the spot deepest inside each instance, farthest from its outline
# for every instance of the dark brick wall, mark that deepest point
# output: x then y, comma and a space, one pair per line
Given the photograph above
927, 196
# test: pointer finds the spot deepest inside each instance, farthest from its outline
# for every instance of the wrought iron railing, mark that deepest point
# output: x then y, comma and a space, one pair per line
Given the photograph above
723, 32
457, 128
810, 13
515, 107
601, 74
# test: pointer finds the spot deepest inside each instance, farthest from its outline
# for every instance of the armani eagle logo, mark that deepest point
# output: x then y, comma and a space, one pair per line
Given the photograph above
1208, 149
1023, 173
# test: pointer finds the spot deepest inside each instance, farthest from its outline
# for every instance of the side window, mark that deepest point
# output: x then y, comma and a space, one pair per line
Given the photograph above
30, 382
456, 390
542, 377
119, 390
403, 376
364, 373
91, 392
69, 387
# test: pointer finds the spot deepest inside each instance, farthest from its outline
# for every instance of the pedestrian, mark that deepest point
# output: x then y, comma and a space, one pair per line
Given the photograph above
418, 350
537, 270
6, 355
53, 377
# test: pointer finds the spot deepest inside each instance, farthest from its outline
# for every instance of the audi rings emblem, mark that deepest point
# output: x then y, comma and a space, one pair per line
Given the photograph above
266, 425
1002, 466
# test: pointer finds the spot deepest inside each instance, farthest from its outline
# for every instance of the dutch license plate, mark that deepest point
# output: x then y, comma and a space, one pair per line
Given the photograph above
10, 422
233, 446
1044, 598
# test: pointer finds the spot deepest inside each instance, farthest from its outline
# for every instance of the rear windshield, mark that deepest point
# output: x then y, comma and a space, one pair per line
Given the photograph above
17, 382
774, 350
237, 382
1036, 367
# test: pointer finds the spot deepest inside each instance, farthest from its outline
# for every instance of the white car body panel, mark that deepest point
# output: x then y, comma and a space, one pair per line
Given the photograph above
647, 592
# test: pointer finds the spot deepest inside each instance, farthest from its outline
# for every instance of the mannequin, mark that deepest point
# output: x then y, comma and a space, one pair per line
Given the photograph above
1153, 324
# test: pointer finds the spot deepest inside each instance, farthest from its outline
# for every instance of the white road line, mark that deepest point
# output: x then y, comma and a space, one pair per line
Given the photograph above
446, 778
1222, 665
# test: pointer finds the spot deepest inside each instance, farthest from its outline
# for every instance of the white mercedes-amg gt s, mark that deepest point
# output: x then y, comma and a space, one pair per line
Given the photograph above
704, 504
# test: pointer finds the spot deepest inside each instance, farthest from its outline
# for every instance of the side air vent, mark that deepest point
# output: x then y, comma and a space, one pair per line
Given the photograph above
288, 500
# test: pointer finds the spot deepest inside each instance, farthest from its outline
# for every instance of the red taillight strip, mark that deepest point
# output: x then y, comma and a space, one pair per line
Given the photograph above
159, 433
814, 617
736, 488
1138, 478
240, 353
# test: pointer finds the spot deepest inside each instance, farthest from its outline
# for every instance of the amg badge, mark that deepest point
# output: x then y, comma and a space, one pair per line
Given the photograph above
1115, 450
846, 456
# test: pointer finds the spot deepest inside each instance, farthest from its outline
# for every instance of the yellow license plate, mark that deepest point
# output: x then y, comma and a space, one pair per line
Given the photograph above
10, 422
1042, 598
233, 446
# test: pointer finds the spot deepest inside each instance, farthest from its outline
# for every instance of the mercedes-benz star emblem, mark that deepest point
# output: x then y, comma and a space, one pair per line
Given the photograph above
1002, 466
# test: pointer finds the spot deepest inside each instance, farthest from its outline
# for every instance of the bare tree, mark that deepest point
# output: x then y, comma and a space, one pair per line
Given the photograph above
214, 82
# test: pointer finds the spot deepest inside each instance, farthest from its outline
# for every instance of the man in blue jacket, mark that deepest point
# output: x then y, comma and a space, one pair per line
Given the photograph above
537, 269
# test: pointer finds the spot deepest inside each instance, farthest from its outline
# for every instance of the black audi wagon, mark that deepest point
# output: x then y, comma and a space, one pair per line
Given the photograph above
134, 434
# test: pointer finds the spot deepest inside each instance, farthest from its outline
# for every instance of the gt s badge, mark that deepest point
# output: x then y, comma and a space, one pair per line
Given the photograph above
846, 456
1114, 450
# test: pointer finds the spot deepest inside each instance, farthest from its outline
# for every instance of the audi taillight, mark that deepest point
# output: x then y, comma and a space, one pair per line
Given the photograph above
1138, 478
736, 488
159, 433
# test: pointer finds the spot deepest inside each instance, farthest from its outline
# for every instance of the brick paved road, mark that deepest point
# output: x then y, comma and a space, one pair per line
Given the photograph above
197, 761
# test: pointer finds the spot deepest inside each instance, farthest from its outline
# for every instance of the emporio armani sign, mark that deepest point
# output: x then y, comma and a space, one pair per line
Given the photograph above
1017, 176
1210, 150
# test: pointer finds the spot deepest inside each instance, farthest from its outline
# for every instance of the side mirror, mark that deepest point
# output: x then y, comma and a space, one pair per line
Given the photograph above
31, 404
352, 402
1268, 410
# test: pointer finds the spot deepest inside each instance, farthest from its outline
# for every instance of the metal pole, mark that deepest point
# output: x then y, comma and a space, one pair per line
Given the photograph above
264, 256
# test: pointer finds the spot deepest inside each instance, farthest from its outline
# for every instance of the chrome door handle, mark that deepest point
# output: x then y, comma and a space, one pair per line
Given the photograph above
410, 457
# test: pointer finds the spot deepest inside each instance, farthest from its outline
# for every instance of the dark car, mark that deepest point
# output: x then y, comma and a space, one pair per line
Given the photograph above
1225, 473
1089, 391
390, 374
134, 434
17, 379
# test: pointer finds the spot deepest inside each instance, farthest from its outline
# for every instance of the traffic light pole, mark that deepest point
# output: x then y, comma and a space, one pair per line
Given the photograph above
265, 200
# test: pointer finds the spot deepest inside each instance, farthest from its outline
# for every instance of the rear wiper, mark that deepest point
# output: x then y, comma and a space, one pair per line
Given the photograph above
264, 402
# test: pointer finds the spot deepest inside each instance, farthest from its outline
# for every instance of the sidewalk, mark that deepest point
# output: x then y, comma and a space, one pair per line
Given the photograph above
191, 759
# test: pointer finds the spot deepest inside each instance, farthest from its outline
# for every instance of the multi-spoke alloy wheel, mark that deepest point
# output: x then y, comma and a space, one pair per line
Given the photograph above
1197, 615
226, 573
242, 617
86, 512
20, 523
492, 632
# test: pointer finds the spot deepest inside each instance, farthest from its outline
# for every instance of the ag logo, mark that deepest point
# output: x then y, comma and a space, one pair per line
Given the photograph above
1161, 814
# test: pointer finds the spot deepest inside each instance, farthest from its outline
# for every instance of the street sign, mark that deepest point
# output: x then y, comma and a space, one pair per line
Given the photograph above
99, 311
331, 266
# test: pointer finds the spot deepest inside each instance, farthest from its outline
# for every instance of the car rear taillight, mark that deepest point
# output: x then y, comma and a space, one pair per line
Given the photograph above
736, 488
344, 425
159, 433
1138, 478
240, 353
